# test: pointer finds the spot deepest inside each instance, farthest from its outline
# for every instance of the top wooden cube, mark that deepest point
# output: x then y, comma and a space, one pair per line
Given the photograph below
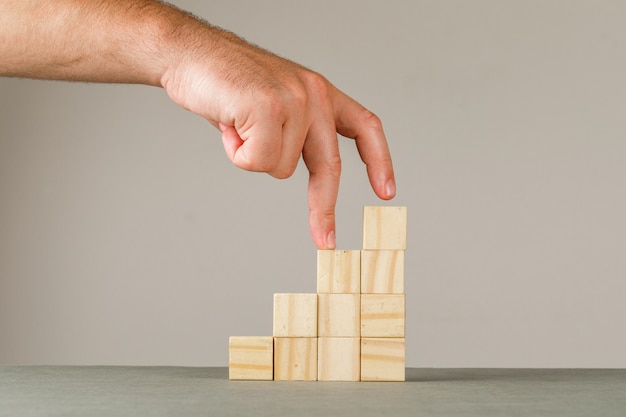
384, 228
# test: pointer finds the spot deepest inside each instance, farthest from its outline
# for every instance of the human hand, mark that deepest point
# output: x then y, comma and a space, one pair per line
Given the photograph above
271, 110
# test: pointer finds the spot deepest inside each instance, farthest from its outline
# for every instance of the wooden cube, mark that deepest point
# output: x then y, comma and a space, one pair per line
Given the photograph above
339, 315
251, 357
295, 315
295, 358
338, 271
382, 315
384, 227
339, 359
382, 359
382, 271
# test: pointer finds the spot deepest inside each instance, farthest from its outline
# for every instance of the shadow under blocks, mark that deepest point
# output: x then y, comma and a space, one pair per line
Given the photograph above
352, 329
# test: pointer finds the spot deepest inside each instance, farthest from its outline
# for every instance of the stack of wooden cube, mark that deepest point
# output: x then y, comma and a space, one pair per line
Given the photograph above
352, 329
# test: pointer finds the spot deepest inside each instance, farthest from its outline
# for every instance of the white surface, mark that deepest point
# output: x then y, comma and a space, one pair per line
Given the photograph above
126, 237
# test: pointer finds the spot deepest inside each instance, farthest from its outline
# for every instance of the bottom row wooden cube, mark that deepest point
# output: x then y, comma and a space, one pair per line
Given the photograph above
339, 359
251, 357
382, 359
295, 358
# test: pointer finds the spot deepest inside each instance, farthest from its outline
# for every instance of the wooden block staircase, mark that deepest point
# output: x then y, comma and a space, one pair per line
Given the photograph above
352, 329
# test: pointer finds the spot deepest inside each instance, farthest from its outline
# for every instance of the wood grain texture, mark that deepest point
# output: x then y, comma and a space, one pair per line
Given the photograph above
382, 271
383, 359
339, 359
295, 315
384, 227
251, 357
295, 358
338, 271
339, 315
382, 315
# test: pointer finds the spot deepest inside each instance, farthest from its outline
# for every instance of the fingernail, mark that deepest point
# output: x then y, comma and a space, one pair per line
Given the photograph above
330, 240
390, 188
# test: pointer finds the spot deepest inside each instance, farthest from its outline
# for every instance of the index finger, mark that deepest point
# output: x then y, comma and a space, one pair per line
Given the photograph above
354, 121
321, 156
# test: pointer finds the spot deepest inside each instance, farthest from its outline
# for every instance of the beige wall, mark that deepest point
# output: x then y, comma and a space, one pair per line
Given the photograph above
126, 237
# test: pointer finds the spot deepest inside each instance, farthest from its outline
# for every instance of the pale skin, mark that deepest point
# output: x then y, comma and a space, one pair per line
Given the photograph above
270, 111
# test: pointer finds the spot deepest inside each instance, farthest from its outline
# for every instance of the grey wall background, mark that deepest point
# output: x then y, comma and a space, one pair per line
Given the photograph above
126, 236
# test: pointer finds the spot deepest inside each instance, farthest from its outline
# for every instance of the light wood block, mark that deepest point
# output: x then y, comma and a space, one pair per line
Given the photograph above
384, 227
382, 271
339, 359
295, 315
339, 271
382, 315
383, 359
251, 357
295, 358
339, 315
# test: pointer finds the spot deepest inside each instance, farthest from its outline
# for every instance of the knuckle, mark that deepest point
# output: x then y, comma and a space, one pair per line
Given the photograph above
298, 97
325, 167
371, 121
282, 174
334, 164
324, 211
317, 85
279, 101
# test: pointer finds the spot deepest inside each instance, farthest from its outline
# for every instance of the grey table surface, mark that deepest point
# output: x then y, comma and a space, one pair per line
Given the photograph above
174, 391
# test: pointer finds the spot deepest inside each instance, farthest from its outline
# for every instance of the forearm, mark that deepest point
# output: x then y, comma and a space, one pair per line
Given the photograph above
126, 41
